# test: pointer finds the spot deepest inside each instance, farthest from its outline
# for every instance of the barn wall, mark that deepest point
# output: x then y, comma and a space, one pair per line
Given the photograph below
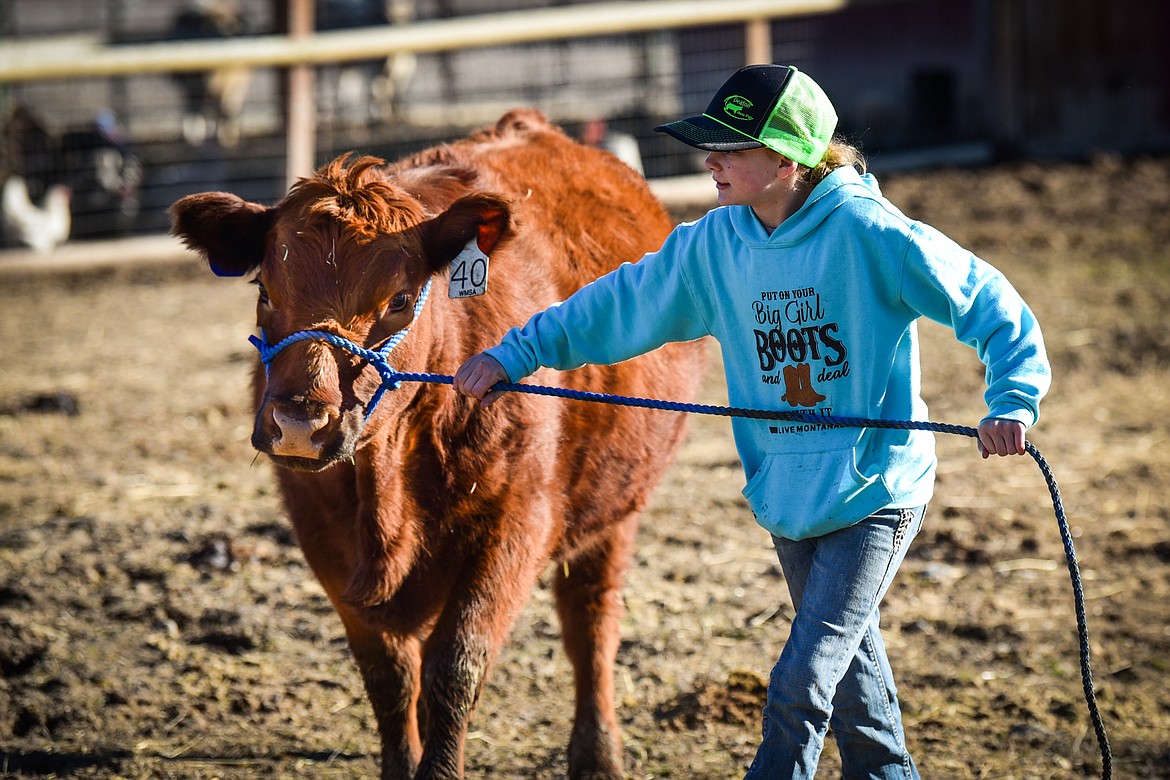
1084, 74
1022, 77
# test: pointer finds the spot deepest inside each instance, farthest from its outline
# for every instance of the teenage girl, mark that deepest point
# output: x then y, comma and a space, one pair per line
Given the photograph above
811, 282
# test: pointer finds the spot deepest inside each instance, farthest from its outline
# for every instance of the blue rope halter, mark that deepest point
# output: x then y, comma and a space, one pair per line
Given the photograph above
379, 358
393, 379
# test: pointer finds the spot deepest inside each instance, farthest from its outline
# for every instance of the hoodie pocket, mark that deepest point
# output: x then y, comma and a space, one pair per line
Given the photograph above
806, 494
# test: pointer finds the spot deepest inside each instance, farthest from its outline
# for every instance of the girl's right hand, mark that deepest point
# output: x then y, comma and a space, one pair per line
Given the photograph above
478, 375
1001, 437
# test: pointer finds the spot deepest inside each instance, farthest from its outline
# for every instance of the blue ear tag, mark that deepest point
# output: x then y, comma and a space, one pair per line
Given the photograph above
469, 271
222, 271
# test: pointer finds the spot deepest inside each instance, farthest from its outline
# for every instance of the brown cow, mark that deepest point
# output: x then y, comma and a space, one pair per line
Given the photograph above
430, 521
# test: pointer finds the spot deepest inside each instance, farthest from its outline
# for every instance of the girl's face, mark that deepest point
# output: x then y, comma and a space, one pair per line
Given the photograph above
747, 178
760, 178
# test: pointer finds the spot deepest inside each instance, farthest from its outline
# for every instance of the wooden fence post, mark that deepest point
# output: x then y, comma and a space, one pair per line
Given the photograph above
758, 41
301, 105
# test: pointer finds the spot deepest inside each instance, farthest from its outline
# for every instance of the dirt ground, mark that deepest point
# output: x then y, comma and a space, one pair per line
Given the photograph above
158, 621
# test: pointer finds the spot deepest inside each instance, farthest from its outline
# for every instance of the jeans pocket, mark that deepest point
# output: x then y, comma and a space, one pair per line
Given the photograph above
903, 535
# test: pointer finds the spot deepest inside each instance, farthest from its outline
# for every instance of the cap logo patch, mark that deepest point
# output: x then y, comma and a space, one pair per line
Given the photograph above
736, 107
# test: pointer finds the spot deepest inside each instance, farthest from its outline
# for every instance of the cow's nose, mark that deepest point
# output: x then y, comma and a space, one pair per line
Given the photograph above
296, 432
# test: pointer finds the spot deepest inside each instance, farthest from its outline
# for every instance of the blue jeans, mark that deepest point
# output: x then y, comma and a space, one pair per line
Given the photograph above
833, 670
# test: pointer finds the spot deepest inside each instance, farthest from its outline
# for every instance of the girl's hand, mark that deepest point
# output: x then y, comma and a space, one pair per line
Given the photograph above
478, 375
1001, 437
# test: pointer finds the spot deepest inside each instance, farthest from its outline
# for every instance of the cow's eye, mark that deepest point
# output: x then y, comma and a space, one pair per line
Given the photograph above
262, 291
399, 302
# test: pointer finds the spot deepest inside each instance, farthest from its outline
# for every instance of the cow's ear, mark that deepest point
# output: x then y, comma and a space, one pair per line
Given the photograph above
227, 230
487, 218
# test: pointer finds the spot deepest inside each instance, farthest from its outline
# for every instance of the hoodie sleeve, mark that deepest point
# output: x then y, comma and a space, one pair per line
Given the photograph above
632, 310
950, 285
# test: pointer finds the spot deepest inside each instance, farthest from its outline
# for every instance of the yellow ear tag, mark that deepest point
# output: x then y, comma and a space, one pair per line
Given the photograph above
469, 271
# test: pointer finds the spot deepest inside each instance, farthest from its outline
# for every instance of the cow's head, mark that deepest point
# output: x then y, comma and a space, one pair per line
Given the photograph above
348, 252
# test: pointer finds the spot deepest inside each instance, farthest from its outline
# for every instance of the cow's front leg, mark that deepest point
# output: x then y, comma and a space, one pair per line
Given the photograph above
481, 611
589, 604
322, 507
390, 669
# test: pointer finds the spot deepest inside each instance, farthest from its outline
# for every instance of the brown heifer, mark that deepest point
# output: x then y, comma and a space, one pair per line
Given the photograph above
430, 521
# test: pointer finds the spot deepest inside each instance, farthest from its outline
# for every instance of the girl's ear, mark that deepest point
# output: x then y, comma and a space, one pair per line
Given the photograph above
787, 168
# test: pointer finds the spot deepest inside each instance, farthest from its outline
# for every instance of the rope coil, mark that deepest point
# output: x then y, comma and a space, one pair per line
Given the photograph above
393, 379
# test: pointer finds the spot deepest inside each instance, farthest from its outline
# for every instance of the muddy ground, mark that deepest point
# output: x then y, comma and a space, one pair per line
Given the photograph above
158, 621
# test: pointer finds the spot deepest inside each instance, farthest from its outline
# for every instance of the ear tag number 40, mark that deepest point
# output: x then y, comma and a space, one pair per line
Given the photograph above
469, 271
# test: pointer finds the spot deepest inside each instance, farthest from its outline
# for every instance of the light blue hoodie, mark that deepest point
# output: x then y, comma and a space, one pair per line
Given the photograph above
817, 317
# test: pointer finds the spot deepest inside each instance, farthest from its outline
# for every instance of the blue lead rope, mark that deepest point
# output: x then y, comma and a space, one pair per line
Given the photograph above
393, 379
1070, 553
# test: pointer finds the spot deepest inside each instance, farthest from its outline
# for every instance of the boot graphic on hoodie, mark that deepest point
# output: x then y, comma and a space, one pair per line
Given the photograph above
798, 388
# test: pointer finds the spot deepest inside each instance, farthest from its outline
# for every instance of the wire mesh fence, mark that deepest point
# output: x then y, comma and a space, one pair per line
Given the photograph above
127, 146
974, 77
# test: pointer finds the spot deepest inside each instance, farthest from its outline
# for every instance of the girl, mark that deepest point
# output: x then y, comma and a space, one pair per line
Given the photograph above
811, 282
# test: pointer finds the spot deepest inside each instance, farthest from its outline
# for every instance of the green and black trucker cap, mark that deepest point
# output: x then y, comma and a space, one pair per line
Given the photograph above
776, 106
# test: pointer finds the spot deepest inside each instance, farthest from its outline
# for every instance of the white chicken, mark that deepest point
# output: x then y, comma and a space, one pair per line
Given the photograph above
39, 227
